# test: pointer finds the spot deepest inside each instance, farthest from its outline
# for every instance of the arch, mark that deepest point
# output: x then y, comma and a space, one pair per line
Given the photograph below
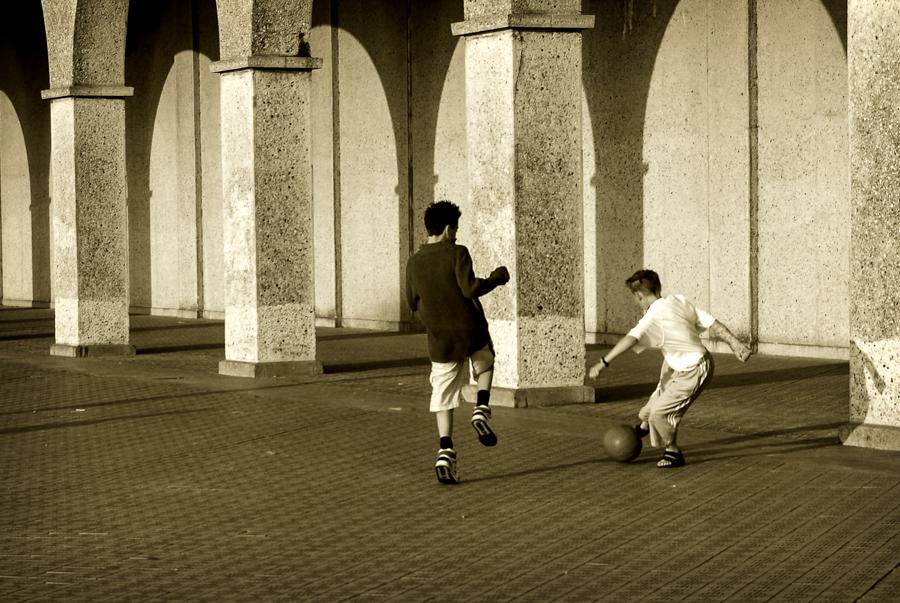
24, 157
168, 125
383, 52
621, 58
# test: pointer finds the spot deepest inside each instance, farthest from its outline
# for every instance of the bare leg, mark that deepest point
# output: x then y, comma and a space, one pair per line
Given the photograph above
485, 380
445, 423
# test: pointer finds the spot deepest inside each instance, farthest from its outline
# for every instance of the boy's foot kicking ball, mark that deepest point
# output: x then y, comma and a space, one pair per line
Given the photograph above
671, 459
481, 418
446, 467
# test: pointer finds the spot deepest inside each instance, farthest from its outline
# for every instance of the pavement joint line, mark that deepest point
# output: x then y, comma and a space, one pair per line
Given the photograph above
786, 477
796, 527
654, 510
835, 577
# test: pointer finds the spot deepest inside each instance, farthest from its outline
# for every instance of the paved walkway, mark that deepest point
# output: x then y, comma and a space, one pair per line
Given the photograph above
152, 478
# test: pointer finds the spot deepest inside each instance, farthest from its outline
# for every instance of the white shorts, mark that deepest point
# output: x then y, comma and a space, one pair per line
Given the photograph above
448, 378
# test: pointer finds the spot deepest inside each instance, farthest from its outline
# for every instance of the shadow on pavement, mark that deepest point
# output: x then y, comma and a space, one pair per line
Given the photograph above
369, 365
61, 425
536, 470
633, 391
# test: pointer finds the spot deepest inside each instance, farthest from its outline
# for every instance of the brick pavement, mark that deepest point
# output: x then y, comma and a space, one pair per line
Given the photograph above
152, 478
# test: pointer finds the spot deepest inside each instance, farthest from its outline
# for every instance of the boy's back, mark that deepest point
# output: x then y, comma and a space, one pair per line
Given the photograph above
442, 288
673, 324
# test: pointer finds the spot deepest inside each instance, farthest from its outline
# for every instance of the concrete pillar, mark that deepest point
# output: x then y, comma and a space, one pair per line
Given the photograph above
268, 233
873, 53
89, 219
523, 102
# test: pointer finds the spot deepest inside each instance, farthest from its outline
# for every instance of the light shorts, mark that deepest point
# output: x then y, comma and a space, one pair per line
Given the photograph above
448, 378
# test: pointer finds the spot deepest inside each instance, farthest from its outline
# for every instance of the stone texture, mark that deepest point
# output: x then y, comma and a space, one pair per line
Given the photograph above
89, 221
374, 164
269, 294
476, 9
24, 159
249, 28
165, 176
323, 150
696, 204
804, 207
86, 41
874, 75
524, 140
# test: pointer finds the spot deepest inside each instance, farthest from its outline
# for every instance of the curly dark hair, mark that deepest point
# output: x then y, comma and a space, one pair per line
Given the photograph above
439, 215
644, 280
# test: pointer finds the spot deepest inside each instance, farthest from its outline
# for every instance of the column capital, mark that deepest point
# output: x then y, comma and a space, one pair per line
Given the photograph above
88, 91
268, 62
555, 21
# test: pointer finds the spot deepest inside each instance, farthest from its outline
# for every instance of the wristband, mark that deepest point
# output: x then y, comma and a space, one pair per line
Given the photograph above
605, 363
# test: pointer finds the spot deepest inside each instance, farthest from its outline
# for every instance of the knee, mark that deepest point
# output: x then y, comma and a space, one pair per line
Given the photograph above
482, 362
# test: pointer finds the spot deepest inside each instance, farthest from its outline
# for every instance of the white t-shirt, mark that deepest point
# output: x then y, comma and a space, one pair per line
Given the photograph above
673, 324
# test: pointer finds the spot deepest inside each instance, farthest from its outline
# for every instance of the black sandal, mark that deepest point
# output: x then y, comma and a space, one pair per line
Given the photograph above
671, 459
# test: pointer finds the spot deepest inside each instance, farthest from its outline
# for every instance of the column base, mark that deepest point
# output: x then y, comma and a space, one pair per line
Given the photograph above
534, 396
288, 368
868, 435
81, 351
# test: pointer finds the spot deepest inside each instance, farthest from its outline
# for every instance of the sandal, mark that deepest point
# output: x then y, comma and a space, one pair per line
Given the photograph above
671, 459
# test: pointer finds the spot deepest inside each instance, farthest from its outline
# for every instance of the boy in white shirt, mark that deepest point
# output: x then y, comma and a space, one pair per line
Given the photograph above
672, 324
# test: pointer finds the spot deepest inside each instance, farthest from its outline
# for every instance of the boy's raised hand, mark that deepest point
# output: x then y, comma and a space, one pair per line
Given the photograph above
500, 275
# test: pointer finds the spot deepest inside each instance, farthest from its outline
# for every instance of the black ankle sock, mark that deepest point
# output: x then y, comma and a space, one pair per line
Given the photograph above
446, 442
484, 397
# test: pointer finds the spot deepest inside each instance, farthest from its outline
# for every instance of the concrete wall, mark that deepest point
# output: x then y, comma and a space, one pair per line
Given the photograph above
374, 170
212, 292
438, 114
175, 246
388, 139
696, 181
804, 212
324, 147
668, 165
24, 159
666, 157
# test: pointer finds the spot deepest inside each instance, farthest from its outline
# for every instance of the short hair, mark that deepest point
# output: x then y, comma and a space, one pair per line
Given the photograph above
439, 215
644, 280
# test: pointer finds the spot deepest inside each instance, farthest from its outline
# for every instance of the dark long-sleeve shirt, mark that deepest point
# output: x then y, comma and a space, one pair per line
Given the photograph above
443, 289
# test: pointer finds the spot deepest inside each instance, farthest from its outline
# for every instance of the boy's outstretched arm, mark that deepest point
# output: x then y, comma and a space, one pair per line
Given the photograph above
720, 331
471, 286
622, 346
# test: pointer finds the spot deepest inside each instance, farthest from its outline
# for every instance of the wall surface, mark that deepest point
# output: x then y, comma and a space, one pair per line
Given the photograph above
323, 151
696, 182
24, 159
669, 171
374, 214
804, 212
438, 114
161, 159
212, 245
175, 223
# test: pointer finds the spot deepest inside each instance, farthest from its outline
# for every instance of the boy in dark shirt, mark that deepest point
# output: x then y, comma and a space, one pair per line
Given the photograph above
442, 288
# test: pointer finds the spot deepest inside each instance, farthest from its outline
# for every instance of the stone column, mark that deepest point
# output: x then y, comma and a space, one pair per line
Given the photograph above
873, 53
89, 219
523, 102
268, 234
